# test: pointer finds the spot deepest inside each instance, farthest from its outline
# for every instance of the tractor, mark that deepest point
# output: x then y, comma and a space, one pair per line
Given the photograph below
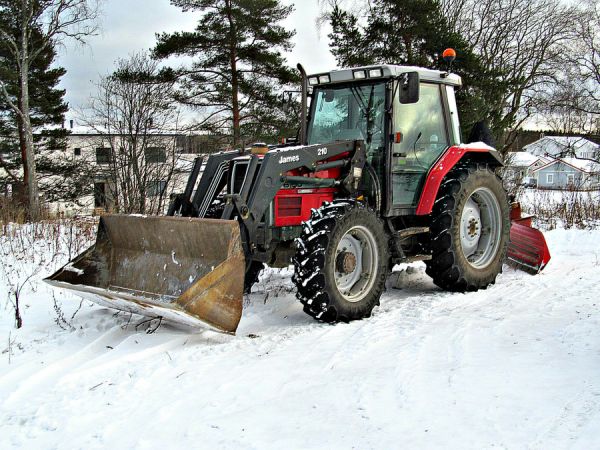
377, 176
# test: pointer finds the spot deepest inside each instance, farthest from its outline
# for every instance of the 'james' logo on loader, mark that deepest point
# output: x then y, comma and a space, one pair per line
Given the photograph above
289, 159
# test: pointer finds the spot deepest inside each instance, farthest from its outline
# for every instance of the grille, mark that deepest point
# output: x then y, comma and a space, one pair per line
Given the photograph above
289, 206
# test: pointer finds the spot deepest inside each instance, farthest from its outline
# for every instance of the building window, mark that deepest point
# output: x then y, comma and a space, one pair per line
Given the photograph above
103, 155
77, 152
99, 195
571, 178
156, 155
156, 188
550, 178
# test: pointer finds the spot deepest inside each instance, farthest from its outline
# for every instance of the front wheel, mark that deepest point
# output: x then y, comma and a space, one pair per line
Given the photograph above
340, 265
469, 230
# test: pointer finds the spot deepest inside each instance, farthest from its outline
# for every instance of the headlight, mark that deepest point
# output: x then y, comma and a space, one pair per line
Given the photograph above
324, 79
360, 74
375, 73
313, 80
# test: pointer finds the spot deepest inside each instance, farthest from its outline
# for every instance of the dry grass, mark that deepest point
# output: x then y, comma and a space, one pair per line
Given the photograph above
563, 209
32, 249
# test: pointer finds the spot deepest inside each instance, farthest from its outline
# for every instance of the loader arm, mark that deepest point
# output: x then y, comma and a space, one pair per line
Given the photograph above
212, 181
258, 192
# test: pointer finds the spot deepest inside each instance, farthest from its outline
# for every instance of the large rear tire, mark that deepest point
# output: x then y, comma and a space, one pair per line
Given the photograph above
469, 230
341, 262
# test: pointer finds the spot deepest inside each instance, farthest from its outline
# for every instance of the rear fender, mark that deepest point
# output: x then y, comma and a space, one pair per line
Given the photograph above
474, 153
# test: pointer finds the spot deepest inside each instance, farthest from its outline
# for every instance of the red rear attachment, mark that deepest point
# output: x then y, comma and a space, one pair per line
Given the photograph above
527, 249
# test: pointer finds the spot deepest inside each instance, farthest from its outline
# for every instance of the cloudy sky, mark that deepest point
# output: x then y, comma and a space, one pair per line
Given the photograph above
130, 25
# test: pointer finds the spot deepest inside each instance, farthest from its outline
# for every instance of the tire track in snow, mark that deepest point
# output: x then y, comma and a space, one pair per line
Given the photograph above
44, 378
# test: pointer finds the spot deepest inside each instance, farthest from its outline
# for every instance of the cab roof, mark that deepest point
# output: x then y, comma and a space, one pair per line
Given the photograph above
389, 71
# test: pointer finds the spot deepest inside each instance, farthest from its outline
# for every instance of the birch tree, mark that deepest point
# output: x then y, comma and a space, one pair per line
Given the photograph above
39, 24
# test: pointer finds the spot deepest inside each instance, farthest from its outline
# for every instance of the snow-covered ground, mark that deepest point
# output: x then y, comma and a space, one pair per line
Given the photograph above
514, 366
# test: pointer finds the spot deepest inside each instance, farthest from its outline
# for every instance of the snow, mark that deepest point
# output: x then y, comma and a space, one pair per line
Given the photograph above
71, 268
523, 159
477, 146
562, 145
513, 366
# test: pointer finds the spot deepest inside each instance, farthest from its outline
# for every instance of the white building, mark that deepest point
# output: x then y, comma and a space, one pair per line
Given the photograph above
564, 147
163, 165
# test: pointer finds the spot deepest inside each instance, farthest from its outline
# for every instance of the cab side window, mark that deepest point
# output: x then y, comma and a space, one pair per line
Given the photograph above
424, 137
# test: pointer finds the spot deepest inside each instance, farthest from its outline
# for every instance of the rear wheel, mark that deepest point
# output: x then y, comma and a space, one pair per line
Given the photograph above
340, 265
469, 230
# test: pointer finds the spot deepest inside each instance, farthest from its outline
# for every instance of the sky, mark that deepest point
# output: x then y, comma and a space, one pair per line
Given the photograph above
128, 26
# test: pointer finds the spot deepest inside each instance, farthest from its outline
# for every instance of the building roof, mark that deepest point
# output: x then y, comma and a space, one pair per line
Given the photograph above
561, 146
582, 165
523, 159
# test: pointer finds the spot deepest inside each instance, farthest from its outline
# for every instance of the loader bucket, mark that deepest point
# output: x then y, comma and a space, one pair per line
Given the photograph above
527, 249
185, 270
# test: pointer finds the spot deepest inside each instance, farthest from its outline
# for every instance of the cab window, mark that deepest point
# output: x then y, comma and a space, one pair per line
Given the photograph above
424, 137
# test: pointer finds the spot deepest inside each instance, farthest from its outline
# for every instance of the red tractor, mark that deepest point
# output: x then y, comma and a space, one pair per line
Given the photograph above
379, 177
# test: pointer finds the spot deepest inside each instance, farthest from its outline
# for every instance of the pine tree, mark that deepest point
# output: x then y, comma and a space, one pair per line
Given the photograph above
47, 113
237, 65
347, 42
46, 102
30, 30
415, 32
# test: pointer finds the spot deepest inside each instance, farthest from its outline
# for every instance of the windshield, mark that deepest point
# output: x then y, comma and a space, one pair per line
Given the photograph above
348, 113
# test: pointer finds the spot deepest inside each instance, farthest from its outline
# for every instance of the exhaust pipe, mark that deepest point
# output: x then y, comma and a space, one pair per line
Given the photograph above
303, 113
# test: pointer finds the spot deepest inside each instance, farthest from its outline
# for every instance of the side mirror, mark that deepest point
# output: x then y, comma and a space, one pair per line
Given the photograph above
409, 87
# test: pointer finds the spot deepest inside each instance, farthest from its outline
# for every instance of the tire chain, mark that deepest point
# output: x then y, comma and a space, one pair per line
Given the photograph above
311, 247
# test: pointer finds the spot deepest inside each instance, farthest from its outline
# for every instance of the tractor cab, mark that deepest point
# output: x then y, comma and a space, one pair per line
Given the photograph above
406, 116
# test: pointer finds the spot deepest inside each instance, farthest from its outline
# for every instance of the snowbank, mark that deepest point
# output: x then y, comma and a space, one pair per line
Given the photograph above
514, 366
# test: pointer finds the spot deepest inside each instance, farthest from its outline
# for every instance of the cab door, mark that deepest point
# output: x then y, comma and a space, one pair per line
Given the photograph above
423, 135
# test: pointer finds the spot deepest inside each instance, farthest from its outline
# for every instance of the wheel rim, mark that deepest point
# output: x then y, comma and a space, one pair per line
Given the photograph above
355, 264
480, 228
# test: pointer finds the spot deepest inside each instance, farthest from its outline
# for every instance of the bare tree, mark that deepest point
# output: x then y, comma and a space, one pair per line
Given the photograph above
585, 56
58, 20
573, 105
134, 117
521, 39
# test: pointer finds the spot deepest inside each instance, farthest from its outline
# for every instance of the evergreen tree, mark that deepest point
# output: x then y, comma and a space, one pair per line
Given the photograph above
29, 33
415, 32
237, 65
347, 41
47, 114
47, 107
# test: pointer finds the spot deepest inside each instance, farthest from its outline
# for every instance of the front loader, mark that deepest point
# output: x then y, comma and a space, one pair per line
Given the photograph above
378, 177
